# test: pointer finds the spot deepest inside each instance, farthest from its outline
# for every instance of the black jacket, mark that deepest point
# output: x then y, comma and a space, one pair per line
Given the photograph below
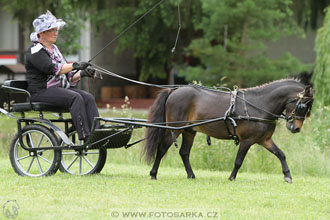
39, 67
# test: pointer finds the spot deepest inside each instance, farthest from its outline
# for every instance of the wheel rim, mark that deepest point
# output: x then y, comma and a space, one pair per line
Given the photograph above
80, 162
34, 163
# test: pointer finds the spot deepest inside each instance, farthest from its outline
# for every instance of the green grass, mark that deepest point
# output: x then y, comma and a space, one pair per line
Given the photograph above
124, 184
126, 188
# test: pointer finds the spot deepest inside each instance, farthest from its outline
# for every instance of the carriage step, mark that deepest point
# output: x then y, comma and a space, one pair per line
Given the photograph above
118, 139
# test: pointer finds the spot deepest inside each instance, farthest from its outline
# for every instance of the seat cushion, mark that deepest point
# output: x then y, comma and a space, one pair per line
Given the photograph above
20, 84
37, 106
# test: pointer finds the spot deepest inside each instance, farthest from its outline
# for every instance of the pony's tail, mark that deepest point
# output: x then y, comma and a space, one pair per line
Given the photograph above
154, 136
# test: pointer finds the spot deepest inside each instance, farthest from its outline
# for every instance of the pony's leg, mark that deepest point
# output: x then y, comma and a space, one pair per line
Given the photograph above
242, 151
187, 141
161, 151
271, 146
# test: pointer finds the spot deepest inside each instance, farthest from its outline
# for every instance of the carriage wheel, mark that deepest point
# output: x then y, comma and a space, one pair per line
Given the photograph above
39, 162
82, 162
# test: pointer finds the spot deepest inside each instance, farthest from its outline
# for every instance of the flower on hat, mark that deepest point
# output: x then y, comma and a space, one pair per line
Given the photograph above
45, 22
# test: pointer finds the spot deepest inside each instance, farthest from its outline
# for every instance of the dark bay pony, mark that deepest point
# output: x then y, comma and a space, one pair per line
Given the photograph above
264, 104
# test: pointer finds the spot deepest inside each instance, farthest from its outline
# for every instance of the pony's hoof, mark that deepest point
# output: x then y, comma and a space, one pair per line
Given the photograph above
288, 179
232, 178
153, 178
192, 177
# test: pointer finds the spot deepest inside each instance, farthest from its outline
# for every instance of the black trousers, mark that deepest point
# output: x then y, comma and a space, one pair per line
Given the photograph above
81, 105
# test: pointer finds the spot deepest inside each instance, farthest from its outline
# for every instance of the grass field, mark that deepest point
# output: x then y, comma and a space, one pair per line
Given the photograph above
124, 190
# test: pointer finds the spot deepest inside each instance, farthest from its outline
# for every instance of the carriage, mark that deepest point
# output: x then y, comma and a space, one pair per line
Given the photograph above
43, 145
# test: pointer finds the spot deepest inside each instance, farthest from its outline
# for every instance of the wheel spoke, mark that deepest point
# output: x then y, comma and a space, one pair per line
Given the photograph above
69, 153
72, 162
21, 158
39, 165
45, 159
28, 169
91, 153
80, 164
90, 164
40, 140
91, 157
30, 140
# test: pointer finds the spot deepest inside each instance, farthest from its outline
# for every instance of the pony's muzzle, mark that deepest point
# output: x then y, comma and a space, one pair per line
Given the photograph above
294, 126
296, 130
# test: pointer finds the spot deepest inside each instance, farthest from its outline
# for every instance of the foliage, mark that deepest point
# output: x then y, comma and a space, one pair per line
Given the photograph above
308, 12
25, 11
153, 37
238, 55
232, 42
321, 75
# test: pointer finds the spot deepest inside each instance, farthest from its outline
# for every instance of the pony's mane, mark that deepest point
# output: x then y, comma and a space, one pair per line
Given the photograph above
275, 84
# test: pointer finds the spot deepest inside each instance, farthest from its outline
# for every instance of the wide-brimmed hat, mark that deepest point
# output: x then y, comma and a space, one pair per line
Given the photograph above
45, 22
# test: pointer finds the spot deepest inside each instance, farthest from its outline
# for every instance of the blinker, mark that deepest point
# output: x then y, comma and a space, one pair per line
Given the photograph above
301, 109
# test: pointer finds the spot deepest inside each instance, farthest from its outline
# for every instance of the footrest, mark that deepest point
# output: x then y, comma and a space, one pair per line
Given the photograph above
118, 139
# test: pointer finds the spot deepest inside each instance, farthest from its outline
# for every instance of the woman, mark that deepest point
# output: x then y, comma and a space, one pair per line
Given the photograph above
51, 79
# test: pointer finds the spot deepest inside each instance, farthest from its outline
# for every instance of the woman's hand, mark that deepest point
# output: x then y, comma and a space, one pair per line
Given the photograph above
89, 72
80, 65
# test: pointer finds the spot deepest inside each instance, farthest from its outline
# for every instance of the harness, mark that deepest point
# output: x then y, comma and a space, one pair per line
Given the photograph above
230, 115
300, 109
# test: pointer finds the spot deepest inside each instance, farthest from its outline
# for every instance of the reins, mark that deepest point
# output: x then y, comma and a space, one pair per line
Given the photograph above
214, 89
107, 72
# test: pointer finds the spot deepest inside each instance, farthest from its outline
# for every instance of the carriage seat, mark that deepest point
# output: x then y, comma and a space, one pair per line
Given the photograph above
20, 86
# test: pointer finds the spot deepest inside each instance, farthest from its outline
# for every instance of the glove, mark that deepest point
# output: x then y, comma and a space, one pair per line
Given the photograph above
89, 72
80, 65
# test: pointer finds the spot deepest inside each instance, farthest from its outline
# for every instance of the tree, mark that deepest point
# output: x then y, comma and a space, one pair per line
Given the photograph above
25, 11
321, 75
228, 35
232, 39
153, 37
308, 12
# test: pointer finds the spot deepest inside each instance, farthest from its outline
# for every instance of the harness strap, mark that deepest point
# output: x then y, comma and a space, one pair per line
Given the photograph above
232, 106
233, 101
249, 118
232, 135
245, 107
231, 112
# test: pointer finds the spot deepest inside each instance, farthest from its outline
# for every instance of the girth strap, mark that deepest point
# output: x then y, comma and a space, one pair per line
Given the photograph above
231, 112
232, 135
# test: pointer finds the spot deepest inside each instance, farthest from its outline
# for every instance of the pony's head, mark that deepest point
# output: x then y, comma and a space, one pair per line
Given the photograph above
298, 109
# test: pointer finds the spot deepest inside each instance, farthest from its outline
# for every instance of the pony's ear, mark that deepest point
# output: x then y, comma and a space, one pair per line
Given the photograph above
309, 91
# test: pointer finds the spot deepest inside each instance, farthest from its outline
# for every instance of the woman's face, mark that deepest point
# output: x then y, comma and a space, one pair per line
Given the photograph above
50, 35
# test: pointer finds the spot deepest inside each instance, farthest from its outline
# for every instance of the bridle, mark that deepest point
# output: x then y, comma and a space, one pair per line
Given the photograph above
302, 107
